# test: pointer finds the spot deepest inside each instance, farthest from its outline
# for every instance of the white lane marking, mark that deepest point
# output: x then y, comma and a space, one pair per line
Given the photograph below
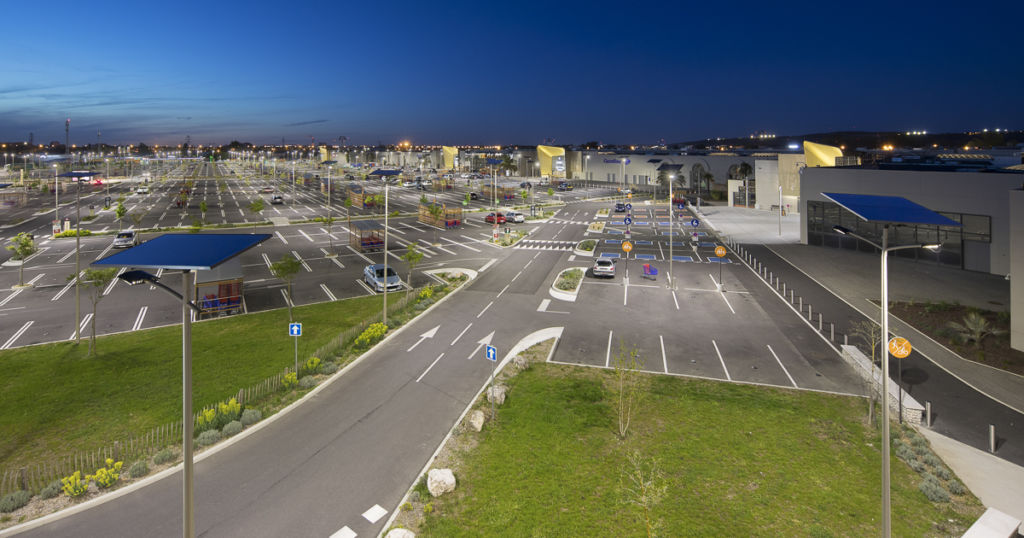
360, 254
527, 264
113, 281
287, 301
486, 265
21, 331
282, 237
429, 367
664, 359
543, 305
333, 259
64, 289
375, 513
720, 359
40, 275
11, 296
461, 244
395, 256
38, 252
365, 287
396, 230
782, 366
502, 290
608, 353
81, 328
675, 299
306, 236
303, 262
328, 292
140, 318
324, 230
485, 309
517, 276
461, 333
344, 532
266, 260
66, 256
723, 294
438, 247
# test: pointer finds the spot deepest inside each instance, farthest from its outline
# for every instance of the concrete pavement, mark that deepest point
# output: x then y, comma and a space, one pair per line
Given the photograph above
994, 480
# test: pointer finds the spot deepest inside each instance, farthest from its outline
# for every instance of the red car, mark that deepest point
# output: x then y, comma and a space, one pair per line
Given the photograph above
491, 216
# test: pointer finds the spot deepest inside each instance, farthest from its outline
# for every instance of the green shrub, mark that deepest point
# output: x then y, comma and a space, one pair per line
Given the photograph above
138, 469
956, 488
934, 491
588, 245
14, 501
75, 485
250, 417
311, 366
917, 466
943, 472
232, 428
568, 280
205, 420
289, 381
931, 460
373, 334
425, 293
307, 382
209, 437
71, 233
164, 456
428, 508
51, 490
109, 475
329, 368
903, 452
228, 411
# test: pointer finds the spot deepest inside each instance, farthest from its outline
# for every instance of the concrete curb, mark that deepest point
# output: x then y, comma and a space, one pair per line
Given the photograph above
563, 295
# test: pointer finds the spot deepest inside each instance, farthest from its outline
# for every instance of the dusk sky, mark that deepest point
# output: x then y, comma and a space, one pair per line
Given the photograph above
503, 73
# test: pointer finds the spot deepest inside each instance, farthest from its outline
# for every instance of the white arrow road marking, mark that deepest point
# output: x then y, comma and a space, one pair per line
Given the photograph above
424, 336
485, 341
429, 367
21, 331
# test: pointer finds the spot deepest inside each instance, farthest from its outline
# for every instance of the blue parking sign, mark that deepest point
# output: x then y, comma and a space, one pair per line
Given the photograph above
694, 223
492, 353
627, 221
295, 329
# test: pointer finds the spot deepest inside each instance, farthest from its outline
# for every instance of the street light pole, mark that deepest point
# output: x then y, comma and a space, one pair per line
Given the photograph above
671, 234
780, 210
187, 513
385, 315
886, 249
78, 266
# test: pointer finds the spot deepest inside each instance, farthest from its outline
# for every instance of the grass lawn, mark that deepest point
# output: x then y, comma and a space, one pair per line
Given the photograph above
735, 461
55, 401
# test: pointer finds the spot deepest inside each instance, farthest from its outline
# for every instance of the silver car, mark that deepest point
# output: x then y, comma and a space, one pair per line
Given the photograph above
126, 239
514, 216
604, 267
373, 276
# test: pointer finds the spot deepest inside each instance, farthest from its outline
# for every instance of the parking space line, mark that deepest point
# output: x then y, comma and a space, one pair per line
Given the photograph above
81, 328
360, 254
328, 292
608, 352
722, 293
782, 366
332, 258
674, 299
303, 262
10, 341
720, 359
461, 244
365, 287
287, 301
488, 264
285, 241
140, 318
266, 260
306, 236
664, 359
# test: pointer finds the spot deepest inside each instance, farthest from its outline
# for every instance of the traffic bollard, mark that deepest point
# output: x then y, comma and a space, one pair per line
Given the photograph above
928, 414
832, 332
801, 308
846, 339
809, 314
819, 321
790, 296
783, 289
992, 438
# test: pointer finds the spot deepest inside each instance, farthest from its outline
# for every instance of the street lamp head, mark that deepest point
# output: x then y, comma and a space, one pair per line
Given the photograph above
934, 247
841, 230
137, 277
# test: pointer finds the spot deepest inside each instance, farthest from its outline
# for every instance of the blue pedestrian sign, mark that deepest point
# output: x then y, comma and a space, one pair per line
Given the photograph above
627, 221
295, 329
492, 353
629, 206
694, 223
681, 206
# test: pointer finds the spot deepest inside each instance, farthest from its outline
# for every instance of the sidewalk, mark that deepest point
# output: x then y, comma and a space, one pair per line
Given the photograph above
996, 482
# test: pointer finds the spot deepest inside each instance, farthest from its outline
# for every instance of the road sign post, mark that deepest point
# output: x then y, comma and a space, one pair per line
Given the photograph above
900, 348
491, 353
295, 330
720, 253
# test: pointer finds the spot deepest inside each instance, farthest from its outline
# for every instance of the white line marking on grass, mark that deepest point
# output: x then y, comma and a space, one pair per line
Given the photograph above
783, 367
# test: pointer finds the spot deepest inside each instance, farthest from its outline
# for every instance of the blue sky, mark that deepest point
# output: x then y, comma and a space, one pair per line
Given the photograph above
502, 73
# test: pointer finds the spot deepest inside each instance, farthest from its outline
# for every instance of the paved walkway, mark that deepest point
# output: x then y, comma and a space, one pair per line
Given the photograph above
996, 482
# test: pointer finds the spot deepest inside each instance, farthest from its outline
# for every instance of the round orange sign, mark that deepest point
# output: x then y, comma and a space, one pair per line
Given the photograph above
720, 251
627, 246
899, 347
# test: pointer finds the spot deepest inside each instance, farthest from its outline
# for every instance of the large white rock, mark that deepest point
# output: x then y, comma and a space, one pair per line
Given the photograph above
440, 481
476, 420
400, 533
520, 362
496, 394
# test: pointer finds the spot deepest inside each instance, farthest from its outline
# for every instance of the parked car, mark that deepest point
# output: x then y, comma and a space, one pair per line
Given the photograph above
491, 217
277, 199
408, 183
142, 190
474, 196
514, 216
373, 276
126, 239
267, 190
603, 267
427, 182
526, 185
561, 187
620, 207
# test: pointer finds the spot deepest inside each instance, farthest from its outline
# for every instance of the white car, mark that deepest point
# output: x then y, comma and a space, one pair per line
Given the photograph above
142, 190
604, 267
408, 183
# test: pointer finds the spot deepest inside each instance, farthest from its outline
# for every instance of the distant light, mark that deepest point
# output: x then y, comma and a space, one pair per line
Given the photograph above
794, 146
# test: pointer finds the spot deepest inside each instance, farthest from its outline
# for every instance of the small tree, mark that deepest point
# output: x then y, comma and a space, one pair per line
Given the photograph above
24, 245
551, 192
435, 211
202, 209
119, 213
286, 269
95, 281
256, 207
644, 486
626, 388
412, 257
329, 221
974, 328
870, 334
136, 219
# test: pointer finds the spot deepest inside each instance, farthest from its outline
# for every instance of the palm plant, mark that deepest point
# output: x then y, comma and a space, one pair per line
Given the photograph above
974, 329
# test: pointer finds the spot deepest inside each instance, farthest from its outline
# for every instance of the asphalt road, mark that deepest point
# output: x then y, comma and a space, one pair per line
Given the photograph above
344, 459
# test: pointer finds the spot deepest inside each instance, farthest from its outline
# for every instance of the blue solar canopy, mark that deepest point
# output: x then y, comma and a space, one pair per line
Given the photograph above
493, 161
184, 251
873, 208
79, 174
382, 172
